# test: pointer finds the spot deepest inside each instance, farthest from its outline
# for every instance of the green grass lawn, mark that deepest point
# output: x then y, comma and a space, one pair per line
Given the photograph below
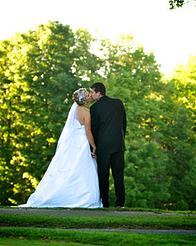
41, 242
39, 236
33, 227
146, 221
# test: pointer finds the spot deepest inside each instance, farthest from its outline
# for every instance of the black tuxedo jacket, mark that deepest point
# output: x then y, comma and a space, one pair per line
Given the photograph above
108, 120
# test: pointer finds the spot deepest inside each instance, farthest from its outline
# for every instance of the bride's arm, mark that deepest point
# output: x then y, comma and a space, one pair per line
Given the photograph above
87, 124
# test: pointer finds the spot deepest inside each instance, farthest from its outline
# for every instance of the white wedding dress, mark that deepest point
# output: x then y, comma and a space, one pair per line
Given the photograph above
71, 179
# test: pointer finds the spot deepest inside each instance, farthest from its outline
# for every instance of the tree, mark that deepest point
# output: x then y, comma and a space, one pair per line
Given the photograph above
160, 160
86, 63
39, 70
181, 142
178, 3
134, 77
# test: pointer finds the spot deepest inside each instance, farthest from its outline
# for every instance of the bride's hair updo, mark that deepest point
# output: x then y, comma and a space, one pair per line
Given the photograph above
79, 96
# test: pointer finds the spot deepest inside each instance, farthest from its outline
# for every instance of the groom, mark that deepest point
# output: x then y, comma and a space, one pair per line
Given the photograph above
109, 126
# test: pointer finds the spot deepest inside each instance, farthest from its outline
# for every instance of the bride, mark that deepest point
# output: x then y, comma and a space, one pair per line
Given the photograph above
71, 179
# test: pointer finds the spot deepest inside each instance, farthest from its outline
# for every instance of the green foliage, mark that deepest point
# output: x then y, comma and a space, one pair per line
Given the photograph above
134, 77
39, 71
160, 147
178, 3
182, 137
36, 81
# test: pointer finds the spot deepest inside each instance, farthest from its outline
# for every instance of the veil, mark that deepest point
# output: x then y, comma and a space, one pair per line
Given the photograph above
69, 125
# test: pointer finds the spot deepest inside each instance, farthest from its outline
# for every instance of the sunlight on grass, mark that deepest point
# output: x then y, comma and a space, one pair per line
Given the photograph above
43, 236
41, 242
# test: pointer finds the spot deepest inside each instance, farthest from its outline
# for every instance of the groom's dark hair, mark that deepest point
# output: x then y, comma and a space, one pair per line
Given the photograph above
99, 87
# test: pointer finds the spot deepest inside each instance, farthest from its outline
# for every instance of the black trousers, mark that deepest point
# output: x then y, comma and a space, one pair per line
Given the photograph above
116, 162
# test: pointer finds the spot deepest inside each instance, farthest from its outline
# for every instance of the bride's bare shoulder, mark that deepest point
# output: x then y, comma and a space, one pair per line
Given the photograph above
83, 114
83, 109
